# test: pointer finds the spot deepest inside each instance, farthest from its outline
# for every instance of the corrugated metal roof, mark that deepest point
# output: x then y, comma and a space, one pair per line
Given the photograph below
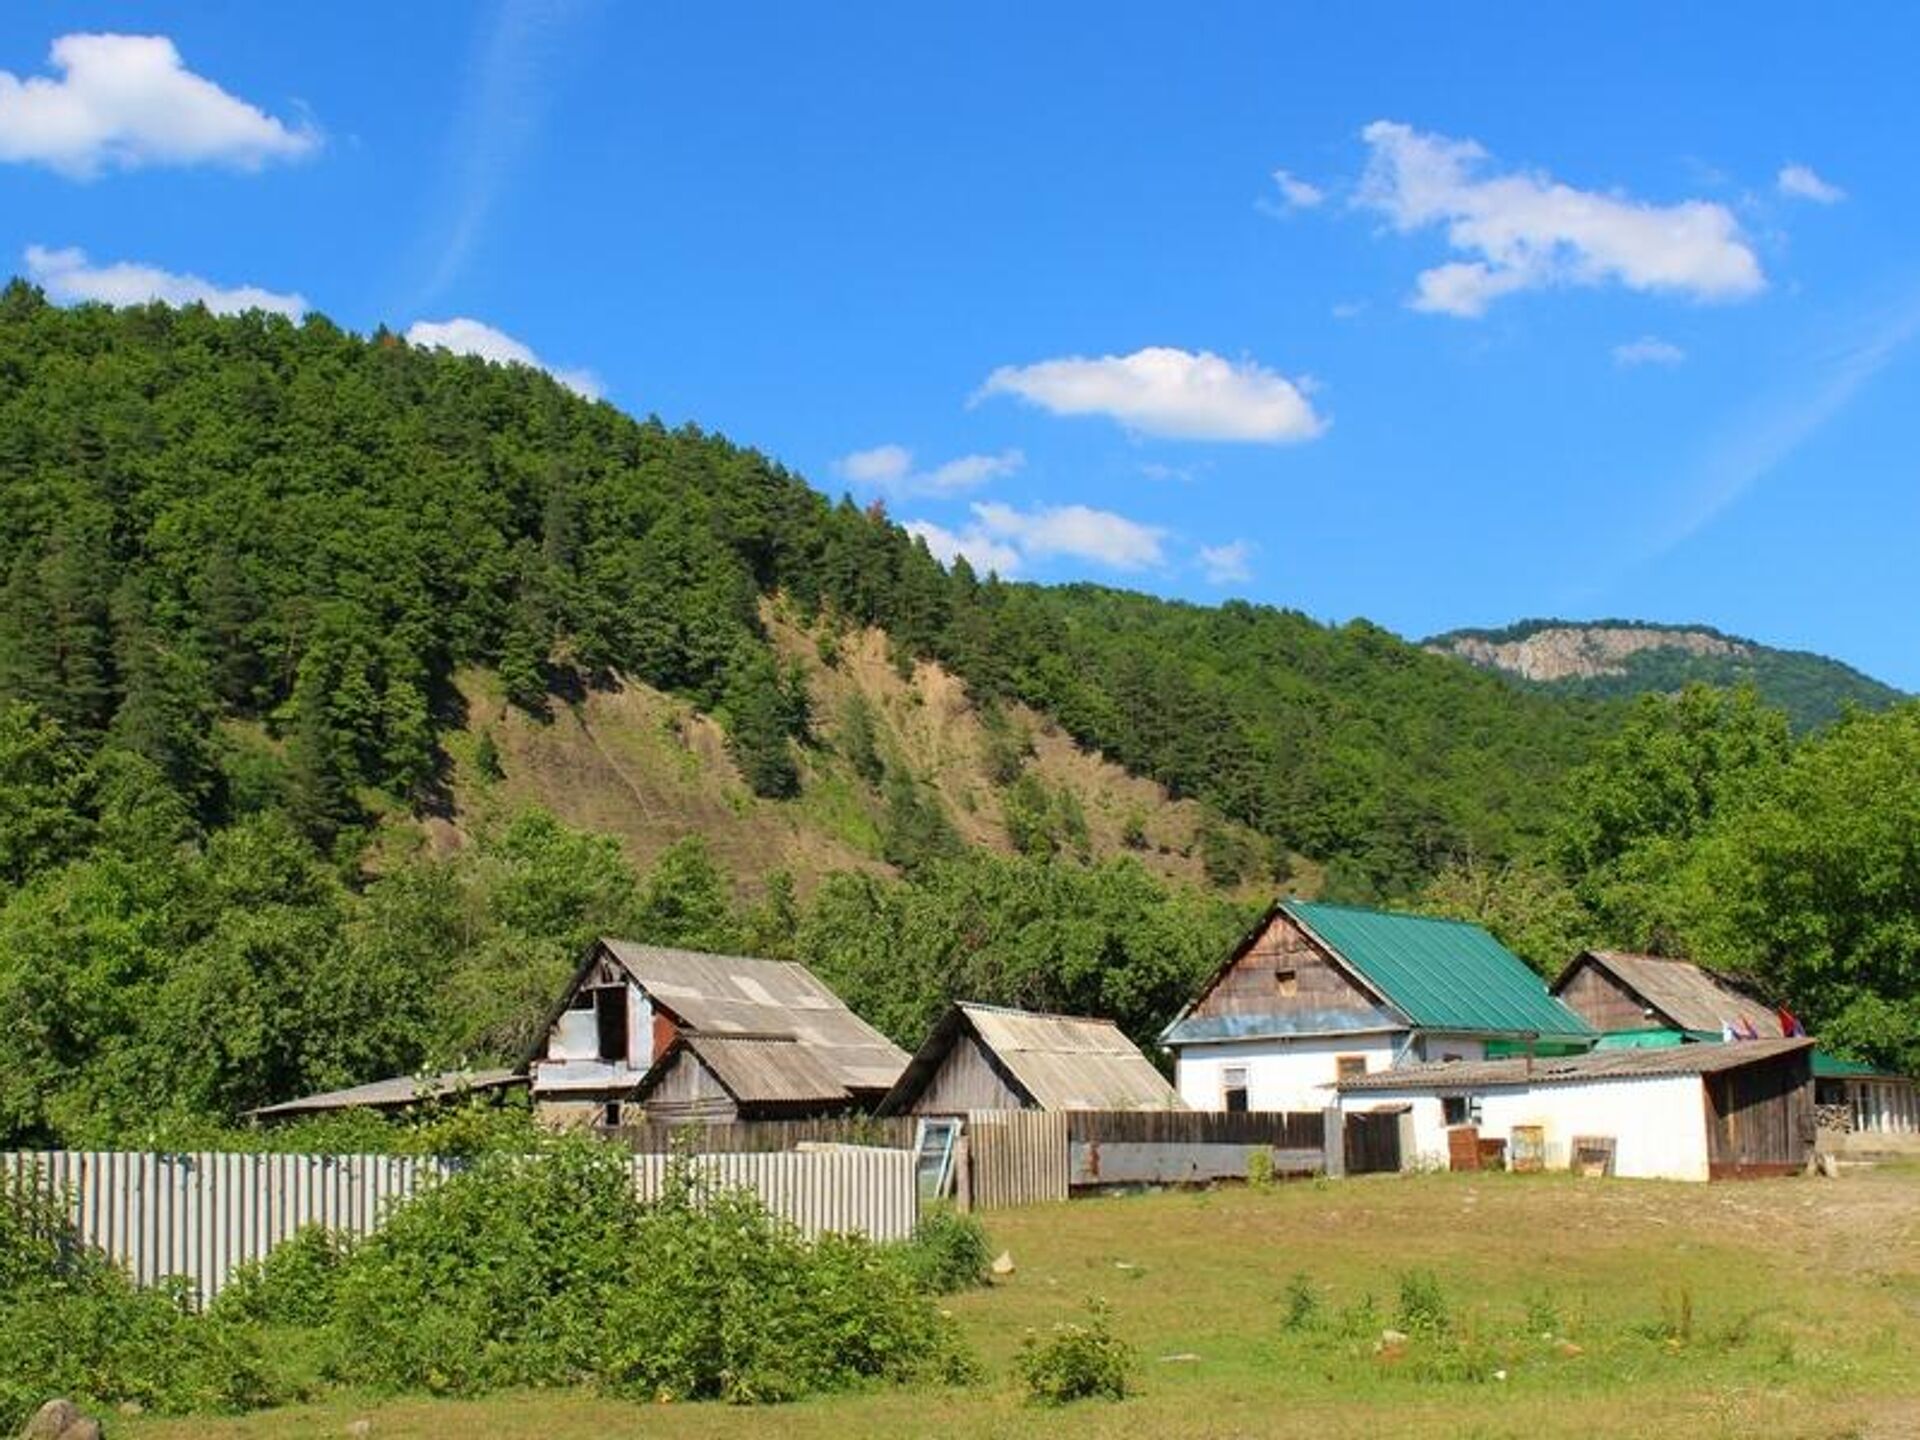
391, 1094
736, 994
1451, 1075
1444, 975
764, 1069
1068, 1062
1687, 996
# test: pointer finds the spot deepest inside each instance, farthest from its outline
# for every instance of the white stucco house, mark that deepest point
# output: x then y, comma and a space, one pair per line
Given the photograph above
1318, 993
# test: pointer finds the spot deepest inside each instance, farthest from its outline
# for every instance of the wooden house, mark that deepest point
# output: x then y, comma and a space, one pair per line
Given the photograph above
629, 1003
1630, 995
1683, 1112
985, 1057
1317, 993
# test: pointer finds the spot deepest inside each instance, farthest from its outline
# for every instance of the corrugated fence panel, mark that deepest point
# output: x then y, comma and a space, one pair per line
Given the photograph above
201, 1215
1016, 1157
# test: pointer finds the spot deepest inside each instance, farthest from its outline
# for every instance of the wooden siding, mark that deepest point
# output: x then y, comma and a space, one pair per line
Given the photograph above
1251, 985
766, 1136
1186, 1147
966, 1080
1604, 1003
1760, 1118
688, 1092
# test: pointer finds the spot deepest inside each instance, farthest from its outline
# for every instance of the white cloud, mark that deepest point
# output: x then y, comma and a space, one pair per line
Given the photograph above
891, 468
1163, 391
471, 337
1648, 350
69, 278
983, 553
1227, 564
1801, 183
1074, 530
1298, 193
124, 101
1526, 230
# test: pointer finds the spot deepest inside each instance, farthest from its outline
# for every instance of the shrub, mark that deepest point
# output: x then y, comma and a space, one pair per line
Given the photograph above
1076, 1361
1303, 1303
1423, 1307
294, 1285
1260, 1169
949, 1251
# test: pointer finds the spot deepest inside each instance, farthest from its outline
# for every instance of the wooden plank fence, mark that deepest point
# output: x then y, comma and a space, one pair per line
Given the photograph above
201, 1215
893, 1132
1016, 1157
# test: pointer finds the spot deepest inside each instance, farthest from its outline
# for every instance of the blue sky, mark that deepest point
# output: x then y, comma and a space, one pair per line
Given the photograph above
1441, 319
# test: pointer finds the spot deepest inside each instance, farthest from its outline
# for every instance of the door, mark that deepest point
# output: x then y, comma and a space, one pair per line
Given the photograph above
1372, 1142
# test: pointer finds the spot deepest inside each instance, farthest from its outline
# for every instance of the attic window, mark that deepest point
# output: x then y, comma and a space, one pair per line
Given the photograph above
1286, 982
610, 1021
582, 999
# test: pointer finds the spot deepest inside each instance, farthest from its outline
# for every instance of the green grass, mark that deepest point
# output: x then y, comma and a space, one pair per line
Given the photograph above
1789, 1308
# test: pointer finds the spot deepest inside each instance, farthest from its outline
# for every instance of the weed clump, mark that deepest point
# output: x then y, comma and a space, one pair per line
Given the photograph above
1076, 1361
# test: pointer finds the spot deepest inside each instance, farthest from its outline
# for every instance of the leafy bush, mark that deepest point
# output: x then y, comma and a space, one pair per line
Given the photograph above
1260, 1169
1076, 1361
72, 1323
949, 1251
294, 1285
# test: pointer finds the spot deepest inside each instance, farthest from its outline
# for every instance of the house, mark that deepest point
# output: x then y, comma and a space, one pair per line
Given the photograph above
1316, 993
715, 1079
1682, 1112
1649, 1000
986, 1057
628, 1003
1656, 998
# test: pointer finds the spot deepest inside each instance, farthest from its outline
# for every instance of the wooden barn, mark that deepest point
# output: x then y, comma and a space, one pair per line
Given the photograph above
717, 1079
985, 1057
1682, 1112
628, 1003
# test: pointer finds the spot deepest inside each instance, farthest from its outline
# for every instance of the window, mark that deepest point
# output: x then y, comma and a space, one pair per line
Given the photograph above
1349, 1067
1233, 1088
610, 1114
1460, 1109
582, 999
1286, 982
610, 1021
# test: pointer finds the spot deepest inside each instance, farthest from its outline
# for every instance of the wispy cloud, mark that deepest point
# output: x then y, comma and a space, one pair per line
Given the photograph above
464, 336
1526, 230
1648, 350
1297, 194
122, 102
1780, 425
1007, 539
70, 278
985, 554
1182, 394
1229, 564
510, 77
891, 470
1799, 182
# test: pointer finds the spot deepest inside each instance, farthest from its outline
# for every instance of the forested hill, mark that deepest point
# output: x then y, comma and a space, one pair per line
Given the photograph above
1616, 658
212, 520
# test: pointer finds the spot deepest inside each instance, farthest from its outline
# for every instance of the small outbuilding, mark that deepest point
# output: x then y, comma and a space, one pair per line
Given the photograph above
986, 1057
401, 1092
1653, 996
716, 1079
1682, 1112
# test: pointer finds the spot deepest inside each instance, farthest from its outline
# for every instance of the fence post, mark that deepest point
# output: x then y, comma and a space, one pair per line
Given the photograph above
1333, 1141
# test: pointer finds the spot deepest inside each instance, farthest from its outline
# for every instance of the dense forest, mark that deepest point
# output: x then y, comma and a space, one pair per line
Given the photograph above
242, 561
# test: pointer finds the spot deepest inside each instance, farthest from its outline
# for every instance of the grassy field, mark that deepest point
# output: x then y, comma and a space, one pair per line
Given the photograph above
1783, 1308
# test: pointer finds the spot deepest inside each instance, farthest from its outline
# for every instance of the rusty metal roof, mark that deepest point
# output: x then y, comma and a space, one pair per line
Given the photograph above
394, 1093
1062, 1062
1685, 995
740, 995
1451, 1075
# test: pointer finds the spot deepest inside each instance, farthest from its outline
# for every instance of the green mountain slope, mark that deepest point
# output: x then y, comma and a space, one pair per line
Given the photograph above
1612, 659
311, 533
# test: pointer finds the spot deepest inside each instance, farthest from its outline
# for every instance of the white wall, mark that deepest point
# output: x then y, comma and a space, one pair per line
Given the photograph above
573, 1062
1281, 1074
1658, 1122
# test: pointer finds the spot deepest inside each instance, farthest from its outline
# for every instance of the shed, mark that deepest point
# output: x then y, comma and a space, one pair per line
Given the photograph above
396, 1093
1618, 993
986, 1057
628, 1003
1686, 1112
714, 1079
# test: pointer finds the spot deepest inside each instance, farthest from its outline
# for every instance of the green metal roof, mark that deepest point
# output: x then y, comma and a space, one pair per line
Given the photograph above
1442, 974
1653, 1038
1832, 1067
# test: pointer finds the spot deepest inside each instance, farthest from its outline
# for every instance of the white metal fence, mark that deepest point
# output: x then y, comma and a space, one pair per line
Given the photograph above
200, 1215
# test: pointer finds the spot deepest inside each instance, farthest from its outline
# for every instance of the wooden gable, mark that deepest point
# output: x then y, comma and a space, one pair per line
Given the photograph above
1603, 1000
1282, 971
